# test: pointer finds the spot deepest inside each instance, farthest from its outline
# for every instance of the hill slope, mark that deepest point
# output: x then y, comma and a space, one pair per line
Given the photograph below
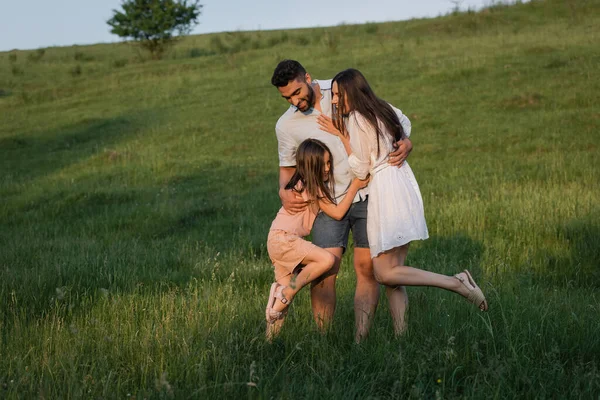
136, 198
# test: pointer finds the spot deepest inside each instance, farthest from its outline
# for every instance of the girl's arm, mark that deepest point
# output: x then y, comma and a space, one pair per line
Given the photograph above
337, 211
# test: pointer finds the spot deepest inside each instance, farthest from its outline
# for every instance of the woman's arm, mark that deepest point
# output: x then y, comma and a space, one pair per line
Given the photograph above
356, 143
326, 124
363, 138
337, 211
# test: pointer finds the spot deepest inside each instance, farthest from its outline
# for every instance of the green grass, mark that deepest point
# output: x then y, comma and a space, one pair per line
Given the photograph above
136, 197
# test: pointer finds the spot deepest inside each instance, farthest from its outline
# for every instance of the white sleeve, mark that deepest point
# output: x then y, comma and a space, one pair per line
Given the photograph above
404, 121
361, 137
287, 147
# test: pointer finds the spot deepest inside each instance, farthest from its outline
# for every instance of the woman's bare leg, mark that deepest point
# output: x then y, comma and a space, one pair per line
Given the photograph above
397, 296
389, 273
398, 303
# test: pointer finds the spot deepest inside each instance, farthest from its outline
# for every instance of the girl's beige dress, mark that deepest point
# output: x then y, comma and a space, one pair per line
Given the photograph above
285, 242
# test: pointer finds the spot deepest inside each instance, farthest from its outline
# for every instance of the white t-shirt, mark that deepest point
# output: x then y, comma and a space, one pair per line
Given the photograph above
295, 126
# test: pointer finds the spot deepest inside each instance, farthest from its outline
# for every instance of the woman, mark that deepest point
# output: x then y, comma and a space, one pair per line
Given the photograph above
368, 126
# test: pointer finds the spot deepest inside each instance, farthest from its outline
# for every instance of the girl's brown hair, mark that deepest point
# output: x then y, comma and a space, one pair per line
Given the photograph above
310, 169
361, 98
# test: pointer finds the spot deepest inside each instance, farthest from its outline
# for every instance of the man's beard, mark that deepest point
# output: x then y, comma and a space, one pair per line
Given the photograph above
310, 99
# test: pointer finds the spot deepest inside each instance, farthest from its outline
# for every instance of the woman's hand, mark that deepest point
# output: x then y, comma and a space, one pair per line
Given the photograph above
326, 124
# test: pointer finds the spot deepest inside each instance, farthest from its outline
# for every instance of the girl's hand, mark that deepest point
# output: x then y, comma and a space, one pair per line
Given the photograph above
361, 183
326, 124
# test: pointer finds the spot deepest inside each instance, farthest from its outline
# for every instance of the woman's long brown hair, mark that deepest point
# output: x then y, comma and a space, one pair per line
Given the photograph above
310, 169
361, 98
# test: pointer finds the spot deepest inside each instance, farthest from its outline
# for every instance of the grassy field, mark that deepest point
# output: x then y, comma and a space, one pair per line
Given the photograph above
136, 197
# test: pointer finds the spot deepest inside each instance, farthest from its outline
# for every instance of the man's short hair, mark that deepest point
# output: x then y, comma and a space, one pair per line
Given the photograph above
286, 71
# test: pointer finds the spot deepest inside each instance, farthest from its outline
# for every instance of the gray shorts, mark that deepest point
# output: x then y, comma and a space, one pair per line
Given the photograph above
330, 233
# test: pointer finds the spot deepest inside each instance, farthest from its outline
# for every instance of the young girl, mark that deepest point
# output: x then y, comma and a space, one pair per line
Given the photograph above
298, 262
368, 127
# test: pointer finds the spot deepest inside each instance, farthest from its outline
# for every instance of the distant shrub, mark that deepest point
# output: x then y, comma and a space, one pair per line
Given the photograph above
302, 40
4, 93
12, 57
257, 41
371, 28
540, 50
76, 70
15, 70
277, 39
240, 41
196, 52
523, 101
36, 55
217, 45
330, 41
24, 97
230, 43
234, 42
81, 56
120, 63
556, 63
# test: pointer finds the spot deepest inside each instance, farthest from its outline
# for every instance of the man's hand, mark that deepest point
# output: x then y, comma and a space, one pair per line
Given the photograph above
292, 201
403, 149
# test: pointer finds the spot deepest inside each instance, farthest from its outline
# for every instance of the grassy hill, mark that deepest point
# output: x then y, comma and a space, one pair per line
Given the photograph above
136, 197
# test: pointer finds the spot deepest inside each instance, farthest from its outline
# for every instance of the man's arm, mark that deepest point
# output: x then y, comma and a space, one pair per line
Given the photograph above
403, 149
285, 174
290, 200
286, 146
404, 146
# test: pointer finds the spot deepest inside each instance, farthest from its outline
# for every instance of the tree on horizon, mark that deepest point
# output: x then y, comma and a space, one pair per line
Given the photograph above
155, 24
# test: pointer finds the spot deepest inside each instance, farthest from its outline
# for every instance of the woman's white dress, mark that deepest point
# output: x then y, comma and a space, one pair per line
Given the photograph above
395, 210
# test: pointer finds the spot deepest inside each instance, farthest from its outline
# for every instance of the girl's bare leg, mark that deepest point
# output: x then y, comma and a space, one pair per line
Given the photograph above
316, 263
273, 328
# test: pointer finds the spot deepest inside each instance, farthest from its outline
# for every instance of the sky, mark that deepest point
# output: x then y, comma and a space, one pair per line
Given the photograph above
43, 23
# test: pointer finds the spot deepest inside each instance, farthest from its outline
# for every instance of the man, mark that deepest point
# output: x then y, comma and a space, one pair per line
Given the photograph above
310, 98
